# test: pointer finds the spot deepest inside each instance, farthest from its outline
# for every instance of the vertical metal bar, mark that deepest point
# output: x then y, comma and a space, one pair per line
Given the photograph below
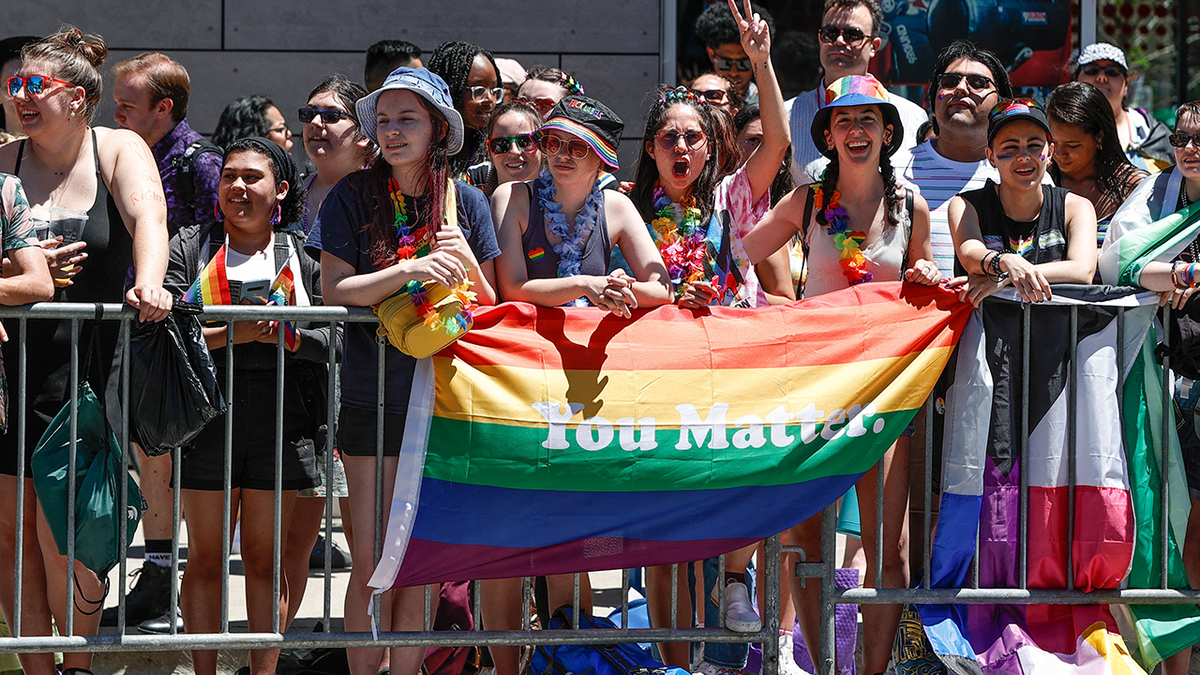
330, 429
428, 607
625, 598
827, 645
674, 596
227, 484
23, 394
1072, 403
277, 522
477, 604
770, 645
667, 62
720, 586
878, 562
176, 513
526, 610
123, 477
1163, 511
1023, 524
927, 535
73, 386
379, 412
575, 602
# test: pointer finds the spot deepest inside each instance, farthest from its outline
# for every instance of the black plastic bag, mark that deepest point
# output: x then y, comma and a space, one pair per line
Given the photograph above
173, 383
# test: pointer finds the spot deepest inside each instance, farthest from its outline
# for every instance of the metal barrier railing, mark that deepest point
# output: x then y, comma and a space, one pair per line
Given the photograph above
68, 641
824, 570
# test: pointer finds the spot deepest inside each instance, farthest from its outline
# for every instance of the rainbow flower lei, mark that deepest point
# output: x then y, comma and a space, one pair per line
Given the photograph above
848, 242
680, 237
411, 245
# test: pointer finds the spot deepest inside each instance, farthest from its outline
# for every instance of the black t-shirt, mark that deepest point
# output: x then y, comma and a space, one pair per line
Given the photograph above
341, 231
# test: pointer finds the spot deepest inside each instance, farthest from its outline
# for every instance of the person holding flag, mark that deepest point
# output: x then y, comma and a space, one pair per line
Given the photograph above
253, 254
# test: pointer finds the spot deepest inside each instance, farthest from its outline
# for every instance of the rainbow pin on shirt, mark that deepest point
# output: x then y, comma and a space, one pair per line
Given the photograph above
537, 254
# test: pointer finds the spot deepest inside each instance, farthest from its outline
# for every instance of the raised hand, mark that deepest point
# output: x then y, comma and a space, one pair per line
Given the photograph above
755, 36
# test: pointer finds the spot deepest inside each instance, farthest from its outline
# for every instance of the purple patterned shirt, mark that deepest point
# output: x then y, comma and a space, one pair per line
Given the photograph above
206, 173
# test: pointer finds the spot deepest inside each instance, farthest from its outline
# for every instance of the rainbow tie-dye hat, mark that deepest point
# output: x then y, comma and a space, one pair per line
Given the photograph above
855, 90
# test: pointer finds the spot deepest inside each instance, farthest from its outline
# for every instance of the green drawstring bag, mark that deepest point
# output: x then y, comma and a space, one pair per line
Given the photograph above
98, 467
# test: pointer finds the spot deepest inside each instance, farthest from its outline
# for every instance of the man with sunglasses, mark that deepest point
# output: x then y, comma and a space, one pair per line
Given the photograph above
151, 93
718, 30
849, 38
1143, 137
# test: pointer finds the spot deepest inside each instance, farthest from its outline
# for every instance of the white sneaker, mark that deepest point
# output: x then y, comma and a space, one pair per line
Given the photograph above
739, 611
787, 656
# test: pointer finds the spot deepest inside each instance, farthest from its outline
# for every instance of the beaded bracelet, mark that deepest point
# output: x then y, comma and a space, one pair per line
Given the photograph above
991, 267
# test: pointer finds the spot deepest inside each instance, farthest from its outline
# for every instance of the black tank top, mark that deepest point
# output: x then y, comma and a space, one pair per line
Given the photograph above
1040, 241
541, 262
109, 246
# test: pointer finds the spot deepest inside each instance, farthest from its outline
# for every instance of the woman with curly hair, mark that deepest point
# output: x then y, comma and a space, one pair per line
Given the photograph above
475, 85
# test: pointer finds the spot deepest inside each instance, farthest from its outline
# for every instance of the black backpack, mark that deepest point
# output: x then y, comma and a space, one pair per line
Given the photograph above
186, 164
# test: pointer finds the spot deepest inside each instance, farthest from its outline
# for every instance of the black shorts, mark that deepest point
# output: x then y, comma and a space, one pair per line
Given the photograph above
253, 458
356, 432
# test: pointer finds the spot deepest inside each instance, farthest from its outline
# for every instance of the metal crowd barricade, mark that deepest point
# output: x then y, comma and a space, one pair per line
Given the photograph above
68, 641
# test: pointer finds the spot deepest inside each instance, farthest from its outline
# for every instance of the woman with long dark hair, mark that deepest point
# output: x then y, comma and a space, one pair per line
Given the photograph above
379, 230
475, 86
1088, 159
254, 115
257, 240
512, 148
858, 129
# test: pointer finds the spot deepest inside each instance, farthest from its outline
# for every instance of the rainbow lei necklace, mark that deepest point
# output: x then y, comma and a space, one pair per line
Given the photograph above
411, 245
848, 243
679, 236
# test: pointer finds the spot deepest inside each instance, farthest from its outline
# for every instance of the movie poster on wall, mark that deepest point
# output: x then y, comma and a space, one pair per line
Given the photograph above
1031, 37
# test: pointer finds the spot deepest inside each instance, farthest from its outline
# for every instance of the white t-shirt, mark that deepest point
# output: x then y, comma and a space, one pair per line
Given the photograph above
261, 265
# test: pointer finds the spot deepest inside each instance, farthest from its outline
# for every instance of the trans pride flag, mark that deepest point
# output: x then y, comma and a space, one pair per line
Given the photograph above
551, 441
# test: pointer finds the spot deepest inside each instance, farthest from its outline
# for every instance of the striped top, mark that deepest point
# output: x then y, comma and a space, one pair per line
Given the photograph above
938, 180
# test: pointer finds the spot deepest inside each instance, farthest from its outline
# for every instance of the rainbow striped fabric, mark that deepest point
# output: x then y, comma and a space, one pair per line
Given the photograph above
211, 287
283, 293
564, 440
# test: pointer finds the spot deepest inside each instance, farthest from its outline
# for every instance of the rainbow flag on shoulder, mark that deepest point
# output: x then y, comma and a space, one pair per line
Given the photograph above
551, 441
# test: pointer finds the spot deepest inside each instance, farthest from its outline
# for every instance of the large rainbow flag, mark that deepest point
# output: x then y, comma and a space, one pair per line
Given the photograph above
559, 440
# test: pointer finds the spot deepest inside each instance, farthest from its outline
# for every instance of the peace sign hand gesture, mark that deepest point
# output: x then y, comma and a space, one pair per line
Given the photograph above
755, 36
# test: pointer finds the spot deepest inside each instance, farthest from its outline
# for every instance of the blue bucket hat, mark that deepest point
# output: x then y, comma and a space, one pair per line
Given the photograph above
423, 83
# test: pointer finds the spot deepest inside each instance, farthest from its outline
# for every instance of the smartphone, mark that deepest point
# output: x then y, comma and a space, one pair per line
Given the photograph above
255, 292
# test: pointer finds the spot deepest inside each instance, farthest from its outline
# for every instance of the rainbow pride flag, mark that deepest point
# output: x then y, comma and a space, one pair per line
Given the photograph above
283, 293
560, 440
211, 287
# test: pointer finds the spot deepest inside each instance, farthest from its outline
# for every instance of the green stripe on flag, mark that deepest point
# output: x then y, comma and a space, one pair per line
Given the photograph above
1145, 244
487, 454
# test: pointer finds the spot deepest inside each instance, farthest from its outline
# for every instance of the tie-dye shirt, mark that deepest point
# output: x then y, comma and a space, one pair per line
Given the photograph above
14, 214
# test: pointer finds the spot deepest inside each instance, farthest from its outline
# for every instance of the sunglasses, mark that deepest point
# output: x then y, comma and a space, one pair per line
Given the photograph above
1182, 140
730, 65
975, 82
830, 34
667, 140
542, 104
553, 145
1111, 72
1015, 105
330, 116
713, 96
480, 93
34, 84
502, 144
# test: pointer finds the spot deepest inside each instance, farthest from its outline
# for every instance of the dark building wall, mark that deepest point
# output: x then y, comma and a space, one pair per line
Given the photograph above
282, 48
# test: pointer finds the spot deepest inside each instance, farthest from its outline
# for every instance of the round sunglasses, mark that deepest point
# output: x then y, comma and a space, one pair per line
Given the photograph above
553, 145
541, 103
330, 116
34, 84
667, 140
502, 144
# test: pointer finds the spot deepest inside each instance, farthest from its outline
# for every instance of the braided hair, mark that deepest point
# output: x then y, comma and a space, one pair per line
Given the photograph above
452, 62
646, 174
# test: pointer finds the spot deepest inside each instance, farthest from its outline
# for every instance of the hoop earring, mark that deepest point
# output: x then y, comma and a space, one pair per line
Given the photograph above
277, 215
220, 217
